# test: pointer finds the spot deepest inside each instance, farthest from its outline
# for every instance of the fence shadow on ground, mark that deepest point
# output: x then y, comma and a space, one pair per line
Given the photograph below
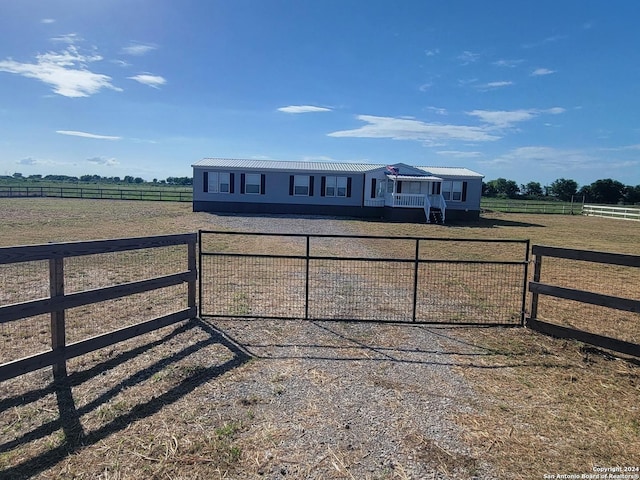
69, 419
343, 341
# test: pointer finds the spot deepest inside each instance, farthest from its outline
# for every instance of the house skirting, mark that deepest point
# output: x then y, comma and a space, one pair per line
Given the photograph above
410, 215
288, 209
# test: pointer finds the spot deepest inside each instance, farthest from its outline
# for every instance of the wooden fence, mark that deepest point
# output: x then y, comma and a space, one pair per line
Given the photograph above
611, 211
58, 301
160, 194
537, 288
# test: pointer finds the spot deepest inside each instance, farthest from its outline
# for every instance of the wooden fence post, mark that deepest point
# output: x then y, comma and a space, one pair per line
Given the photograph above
537, 267
58, 336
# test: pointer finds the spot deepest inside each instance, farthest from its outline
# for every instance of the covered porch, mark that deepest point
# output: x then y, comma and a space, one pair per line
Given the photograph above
414, 191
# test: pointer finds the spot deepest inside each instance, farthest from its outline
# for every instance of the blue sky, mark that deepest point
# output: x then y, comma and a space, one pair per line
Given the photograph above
525, 90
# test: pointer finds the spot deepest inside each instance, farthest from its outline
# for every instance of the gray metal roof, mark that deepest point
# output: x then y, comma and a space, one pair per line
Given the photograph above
249, 164
452, 172
414, 178
285, 165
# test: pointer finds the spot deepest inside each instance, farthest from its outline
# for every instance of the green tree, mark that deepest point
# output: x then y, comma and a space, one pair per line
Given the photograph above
503, 188
533, 189
607, 191
632, 194
563, 189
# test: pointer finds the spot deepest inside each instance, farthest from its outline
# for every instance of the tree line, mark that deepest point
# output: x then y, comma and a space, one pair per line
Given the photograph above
128, 179
606, 191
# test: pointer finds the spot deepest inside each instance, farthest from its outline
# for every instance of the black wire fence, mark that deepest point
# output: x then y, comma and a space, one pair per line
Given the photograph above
368, 278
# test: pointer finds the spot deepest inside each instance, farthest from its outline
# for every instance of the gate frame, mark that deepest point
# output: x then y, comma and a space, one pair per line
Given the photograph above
307, 257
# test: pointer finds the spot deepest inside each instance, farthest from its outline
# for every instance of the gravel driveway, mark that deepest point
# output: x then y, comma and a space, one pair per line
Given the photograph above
346, 400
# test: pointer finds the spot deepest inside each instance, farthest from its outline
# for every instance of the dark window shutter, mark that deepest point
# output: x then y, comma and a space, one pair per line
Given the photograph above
323, 185
399, 187
231, 183
439, 188
263, 182
464, 191
373, 188
311, 186
205, 182
242, 183
290, 184
348, 186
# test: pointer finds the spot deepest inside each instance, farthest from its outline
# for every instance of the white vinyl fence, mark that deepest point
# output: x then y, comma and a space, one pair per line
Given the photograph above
624, 213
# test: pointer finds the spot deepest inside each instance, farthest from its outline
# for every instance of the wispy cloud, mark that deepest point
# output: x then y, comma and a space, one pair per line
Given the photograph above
542, 71
432, 52
507, 118
494, 85
48, 20
65, 71
544, 41
107, 162
30, 162
69, 38
438, 110
425, 86
546, 158
459, 154
303, 109
154, 81
406, 129
507, 63
75, 133
467, 57
138, 49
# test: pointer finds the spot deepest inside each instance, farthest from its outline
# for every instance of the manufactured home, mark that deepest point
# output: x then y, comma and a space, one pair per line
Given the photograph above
397, 192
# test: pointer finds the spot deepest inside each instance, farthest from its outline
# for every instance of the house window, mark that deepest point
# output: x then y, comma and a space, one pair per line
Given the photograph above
301, 185
335, 187
453, 191
252, 183
219, 182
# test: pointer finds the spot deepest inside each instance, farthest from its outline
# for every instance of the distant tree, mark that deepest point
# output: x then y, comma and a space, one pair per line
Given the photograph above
607, 191
138, 180
532, 189
503, 188
18, 175
632, 194
35, 177
563, 189
128, 179
155, 180
585, 192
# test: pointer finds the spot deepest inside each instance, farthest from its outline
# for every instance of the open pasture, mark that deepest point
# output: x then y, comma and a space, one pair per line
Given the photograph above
242, 399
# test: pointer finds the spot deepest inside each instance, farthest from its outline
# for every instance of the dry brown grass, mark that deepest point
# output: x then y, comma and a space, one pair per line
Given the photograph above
131, 411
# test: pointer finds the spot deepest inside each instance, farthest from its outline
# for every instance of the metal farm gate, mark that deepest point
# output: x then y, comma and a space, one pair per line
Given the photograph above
367, 278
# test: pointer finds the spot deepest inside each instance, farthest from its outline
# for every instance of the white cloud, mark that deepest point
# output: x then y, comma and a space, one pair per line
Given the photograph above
507, 63
138, 49
547, 158
154, 81
69, 38
303, 109
30, 162
75, 133
544, 41
438, 110
459, 154
425, 86
65, 71
506, 118
48, 20
493, 85
405, 129
468, 57
542, 71
432, 53
108, 162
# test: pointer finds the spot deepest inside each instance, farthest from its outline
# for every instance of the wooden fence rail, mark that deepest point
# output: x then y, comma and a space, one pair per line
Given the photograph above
537, 288
58, 302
